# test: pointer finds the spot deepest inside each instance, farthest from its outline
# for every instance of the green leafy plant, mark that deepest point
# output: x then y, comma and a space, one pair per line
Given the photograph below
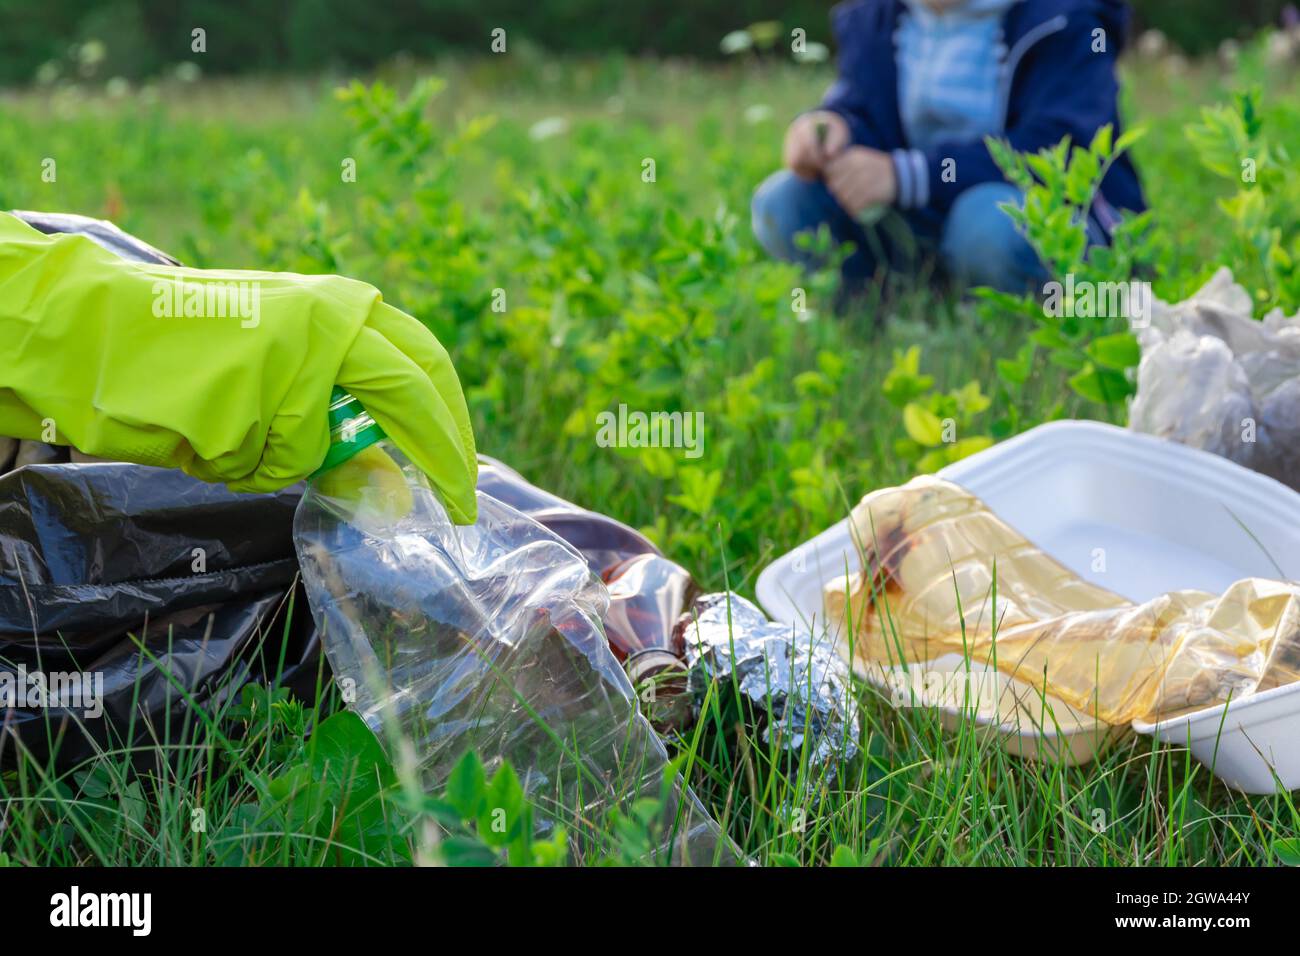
644, 827
334, 803
1287, 850
1232, 141
1079, 332
489, 821
940, 426
337, 800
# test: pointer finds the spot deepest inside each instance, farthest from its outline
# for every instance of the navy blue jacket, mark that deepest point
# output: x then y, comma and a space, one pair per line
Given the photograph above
1057, 86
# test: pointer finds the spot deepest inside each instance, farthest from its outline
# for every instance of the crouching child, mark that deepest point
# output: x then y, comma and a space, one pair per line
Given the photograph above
921, 84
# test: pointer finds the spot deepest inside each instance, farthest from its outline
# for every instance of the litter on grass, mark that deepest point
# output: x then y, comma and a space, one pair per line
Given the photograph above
1245, 403
646, 597
941, 573
1130, 513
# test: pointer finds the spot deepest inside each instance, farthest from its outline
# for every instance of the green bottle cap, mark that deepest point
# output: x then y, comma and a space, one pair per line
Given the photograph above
351, 429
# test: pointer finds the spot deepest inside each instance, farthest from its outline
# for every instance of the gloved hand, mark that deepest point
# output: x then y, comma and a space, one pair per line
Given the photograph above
223, 374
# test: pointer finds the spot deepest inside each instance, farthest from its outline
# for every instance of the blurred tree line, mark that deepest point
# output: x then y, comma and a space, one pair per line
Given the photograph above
141, 37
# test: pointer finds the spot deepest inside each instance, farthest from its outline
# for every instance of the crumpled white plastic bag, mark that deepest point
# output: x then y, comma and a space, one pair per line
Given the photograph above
1214, 377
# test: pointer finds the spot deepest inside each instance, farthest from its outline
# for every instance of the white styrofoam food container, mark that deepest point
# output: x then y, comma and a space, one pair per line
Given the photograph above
1246, 742
1137, 515
1040, 728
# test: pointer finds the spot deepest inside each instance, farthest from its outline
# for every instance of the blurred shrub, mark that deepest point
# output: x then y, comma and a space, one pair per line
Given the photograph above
141, 37
144, 36
1199, 26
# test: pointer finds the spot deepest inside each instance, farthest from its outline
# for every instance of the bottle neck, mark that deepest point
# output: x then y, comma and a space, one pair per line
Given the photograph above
351, 429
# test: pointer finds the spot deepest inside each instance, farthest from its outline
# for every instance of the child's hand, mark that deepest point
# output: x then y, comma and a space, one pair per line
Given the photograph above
808, 149
860, 177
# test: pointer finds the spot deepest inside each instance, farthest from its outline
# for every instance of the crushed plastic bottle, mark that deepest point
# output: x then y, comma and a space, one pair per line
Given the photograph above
647, 592
935, 557
484, 638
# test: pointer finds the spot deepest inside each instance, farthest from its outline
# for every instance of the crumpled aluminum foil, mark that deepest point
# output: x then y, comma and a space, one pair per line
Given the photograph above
799, 672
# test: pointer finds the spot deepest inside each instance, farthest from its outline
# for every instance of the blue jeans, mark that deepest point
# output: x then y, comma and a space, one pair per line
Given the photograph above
977, 243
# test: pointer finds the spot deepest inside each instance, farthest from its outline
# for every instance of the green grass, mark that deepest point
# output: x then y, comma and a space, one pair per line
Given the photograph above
617, 290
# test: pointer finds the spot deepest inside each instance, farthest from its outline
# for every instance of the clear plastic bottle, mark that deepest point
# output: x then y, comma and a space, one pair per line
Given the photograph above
484, 638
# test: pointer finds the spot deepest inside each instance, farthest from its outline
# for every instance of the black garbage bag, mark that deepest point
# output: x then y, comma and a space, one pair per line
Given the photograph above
160, 591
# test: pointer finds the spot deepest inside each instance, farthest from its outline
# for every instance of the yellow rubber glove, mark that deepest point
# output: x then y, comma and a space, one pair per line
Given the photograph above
224, 374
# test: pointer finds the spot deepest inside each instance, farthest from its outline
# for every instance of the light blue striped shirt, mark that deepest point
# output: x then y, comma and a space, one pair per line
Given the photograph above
949, 66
